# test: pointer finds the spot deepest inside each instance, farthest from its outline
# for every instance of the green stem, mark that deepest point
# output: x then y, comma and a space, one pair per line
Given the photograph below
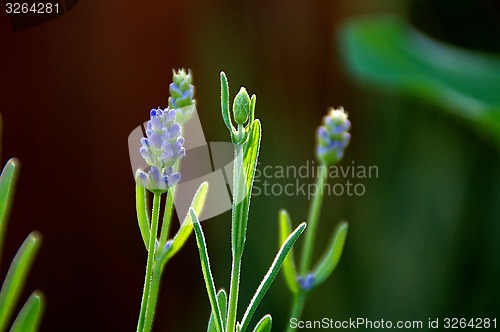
299, 298
237, 238
233, 294
149, 266
297, 307
312, 221
167, 217
169, 207
153, 296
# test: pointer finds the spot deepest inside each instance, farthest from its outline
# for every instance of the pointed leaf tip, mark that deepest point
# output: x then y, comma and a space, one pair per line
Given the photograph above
264, 325
224, 100
289, 269
30, 316
222, 299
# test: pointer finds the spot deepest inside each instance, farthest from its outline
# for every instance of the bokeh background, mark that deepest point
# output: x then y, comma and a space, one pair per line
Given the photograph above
423, 241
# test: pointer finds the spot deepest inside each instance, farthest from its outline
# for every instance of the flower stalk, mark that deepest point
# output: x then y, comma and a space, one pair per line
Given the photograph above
332, 138
162, 149
246, 139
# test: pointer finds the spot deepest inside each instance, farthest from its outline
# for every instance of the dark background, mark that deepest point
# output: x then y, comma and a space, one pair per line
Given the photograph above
72, 89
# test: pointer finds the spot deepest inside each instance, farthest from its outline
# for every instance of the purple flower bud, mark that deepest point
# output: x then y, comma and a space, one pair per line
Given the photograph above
333, 136
181, 90
307, 282
181, 95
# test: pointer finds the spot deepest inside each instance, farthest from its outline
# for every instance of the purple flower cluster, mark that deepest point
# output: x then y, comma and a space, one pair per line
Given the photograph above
162, 147
333, 136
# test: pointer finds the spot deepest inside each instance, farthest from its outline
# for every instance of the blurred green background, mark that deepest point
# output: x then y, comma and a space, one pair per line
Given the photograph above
423, 241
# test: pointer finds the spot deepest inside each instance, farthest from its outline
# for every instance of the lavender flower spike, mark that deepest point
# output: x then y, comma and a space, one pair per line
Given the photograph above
333, 136
181, 95
162, 147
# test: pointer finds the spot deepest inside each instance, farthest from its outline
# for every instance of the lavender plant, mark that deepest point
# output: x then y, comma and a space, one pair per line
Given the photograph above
162, 149
246, 139
30, 315
332, 138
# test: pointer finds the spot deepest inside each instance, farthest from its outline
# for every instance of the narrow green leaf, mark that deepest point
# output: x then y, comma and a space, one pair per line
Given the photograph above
271, 275
187, 226
30, 316
252, 109
243, 182
7, 185
251, 154
240, 205
222, 299
207, 273
289, 270
264, 325
224, 100
141, 208
331, 257
16, 276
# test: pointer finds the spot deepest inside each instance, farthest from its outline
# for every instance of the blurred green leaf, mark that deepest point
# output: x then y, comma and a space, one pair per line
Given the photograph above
387, 51
289, 270
271, 275
16, 276
30, 315
207, 272
187, 226
331, 257
7, 185
264, 325
222, 299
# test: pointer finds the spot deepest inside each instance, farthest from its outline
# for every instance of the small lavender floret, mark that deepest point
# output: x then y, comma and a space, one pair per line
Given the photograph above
166, 247
161, 148
155, 180
307, 282
333, 136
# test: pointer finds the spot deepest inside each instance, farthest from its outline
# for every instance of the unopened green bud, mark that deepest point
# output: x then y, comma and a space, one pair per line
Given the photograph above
241, 106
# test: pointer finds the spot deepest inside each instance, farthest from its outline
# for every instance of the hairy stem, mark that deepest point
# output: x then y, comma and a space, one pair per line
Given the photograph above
237, 238
153, 295
146, 295
167, 217
169, 207
233, 294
